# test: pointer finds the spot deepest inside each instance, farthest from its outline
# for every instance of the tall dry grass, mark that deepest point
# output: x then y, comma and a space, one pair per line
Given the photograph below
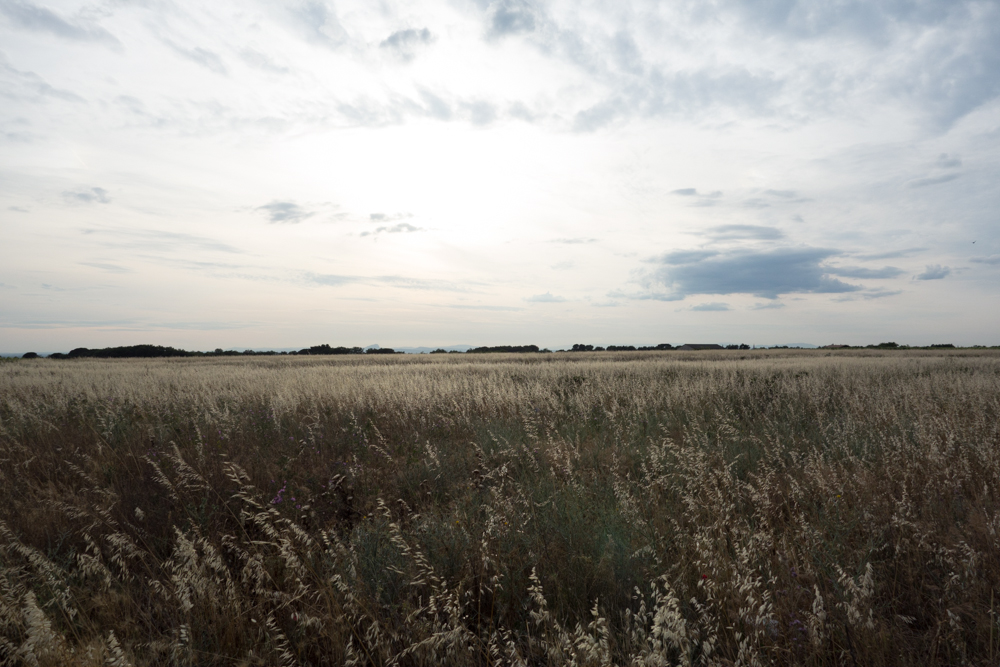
580, 509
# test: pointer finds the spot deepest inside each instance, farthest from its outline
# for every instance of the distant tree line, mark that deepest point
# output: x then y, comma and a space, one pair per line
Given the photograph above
579, 347
127, 351
159, 351
507, 348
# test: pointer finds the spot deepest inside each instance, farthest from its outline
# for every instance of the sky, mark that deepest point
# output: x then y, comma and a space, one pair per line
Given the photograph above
285, 174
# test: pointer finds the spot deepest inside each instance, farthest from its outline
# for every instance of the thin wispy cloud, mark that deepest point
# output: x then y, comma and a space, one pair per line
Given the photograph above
107, 266
714, 306
198, 55
388, 217
475, 307
574, 241
158, 240
931, 180
401, 282
863, 272
263, 62
749, 232
41, 19
399, 228
891, 254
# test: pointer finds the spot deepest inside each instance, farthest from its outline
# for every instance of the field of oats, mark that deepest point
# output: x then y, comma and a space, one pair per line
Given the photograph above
749, 508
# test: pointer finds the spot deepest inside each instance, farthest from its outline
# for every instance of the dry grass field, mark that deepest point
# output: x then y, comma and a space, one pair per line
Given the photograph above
729, 508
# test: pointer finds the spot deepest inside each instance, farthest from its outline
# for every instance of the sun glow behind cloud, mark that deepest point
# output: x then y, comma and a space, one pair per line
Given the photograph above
350, 173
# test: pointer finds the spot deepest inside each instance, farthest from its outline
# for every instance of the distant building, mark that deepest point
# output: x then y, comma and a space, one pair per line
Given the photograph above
701, 346
833, 347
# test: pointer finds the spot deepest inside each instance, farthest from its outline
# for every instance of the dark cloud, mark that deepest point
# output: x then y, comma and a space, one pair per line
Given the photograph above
18, 209
88, 196
992, 259
768, 305
931, 180
512, 17
41, 19
685, 192
766, 274
862, 272
404, 44
285, 212
784, 194
711, 307
934, 272
548, 297
755, 232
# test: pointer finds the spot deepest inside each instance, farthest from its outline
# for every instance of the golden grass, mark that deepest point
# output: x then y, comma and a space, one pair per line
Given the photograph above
750, 508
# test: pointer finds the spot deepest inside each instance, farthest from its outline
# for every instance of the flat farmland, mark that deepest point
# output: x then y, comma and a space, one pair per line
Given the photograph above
751, 508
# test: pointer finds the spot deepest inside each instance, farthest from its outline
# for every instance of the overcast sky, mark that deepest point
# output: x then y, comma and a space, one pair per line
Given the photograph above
283, 174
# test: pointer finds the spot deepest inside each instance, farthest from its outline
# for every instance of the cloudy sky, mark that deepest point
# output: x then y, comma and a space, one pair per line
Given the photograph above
282, 174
